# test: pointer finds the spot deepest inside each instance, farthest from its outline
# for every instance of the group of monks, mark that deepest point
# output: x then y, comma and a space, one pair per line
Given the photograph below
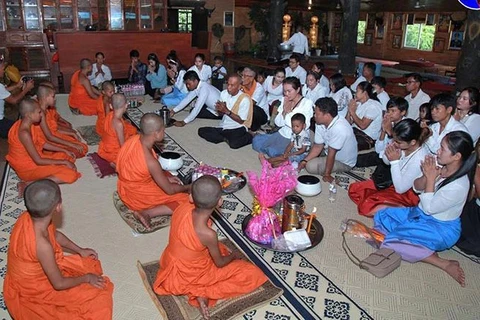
41, 281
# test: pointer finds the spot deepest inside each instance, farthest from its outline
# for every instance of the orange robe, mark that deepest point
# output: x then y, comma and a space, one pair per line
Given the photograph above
186, 267
79, 98
110, 146
135, 185
24, 165
100, 124
29, 294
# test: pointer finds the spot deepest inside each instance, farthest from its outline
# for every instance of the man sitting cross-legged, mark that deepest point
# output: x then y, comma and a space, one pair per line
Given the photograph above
195, 263
83, 96
142, 184
43, 283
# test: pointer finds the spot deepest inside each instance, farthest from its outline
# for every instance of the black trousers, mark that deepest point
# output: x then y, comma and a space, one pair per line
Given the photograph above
5, 125
259, 118
205, 114
149, 90
235, 138
364, 142
469, 241
218, 83
368, 160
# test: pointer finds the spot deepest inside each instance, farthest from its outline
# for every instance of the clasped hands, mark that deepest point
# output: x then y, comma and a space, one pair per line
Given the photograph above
221, 107
429, 167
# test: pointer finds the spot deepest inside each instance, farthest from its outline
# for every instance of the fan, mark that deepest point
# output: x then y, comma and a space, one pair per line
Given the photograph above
418, 5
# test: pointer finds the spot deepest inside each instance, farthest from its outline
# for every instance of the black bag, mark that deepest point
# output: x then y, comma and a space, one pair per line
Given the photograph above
382, 177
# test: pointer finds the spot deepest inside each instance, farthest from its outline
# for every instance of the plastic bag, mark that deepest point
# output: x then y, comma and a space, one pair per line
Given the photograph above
358, 229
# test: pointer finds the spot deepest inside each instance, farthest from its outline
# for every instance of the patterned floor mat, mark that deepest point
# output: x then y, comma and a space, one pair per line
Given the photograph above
89, 134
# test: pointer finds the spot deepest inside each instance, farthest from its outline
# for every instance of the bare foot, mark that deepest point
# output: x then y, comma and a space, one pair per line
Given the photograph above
144, 219
455, 271
204, 307
261, 157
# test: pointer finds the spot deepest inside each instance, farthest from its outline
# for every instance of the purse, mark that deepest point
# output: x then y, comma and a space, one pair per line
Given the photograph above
379, 263
382, 177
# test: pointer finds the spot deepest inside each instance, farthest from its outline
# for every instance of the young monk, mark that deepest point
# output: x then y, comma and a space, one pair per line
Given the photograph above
61, 121
83, 96
142, 184
25, 153
115, 133
41, 282
103, 106
195, 263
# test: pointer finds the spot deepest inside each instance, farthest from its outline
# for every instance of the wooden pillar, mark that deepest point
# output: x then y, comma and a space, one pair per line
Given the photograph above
468, 65
348, 39
277, 9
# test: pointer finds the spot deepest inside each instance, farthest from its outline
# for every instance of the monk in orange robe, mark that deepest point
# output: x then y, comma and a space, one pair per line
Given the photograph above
41, 282
142, 184
195, 263
83, 96
103, 106
62, 123
114, 135
25, 152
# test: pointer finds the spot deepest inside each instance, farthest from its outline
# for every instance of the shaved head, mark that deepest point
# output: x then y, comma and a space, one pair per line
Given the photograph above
47, 83
27, 106
118, 101
151, 123
44, 91
85, 63
206, 191
41, 198
107, 85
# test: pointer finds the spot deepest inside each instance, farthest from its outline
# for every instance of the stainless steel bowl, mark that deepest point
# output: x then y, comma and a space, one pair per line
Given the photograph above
285, 47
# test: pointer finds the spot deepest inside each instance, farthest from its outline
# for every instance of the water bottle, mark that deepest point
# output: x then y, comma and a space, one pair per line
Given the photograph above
332, 192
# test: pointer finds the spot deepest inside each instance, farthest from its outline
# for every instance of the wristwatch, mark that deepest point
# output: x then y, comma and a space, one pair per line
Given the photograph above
229, 113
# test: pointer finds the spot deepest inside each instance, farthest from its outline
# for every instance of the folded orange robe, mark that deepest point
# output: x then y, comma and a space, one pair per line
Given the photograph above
24, 165
29, 294
79, 98
186, 267
135, 185
109, 145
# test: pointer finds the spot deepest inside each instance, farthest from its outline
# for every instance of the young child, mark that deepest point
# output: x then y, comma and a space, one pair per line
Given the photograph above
417, 233
218, 73
299, 144
195, 263
103, 106
425, 115
43, 282
261, 76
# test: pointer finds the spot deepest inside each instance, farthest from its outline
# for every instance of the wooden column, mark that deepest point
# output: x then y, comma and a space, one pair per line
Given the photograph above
277, 9
468, 65
348, 39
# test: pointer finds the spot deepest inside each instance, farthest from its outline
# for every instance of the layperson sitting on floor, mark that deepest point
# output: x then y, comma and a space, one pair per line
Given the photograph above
176, 90
237, 110
365, 115
142, 184
294, 69
313, 89
368, 72
6, 96
293, 102
206, 97
219, 73
261, 76
156, 76
443, 108
100, 72
250, 86
379, 84
137, 71
402, 159
340, 93
425, 115
334, 148
103, 106
25, 151
194, 263
319, 68
41, 281
273, 87
203, 70
83, 97
418, 233
116, 130
467, 111
416, 96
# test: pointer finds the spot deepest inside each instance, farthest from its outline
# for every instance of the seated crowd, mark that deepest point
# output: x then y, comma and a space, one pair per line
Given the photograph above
424, 150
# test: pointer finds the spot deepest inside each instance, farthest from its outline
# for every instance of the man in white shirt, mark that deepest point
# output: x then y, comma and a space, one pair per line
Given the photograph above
416, 97
260, 105
368, 72
294, 69
299, 42
334, 135
100, 72
206, 95
237, 110
379, 84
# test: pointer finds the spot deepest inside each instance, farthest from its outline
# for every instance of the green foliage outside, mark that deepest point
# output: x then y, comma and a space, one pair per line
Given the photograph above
361, 31
419, 36
185, 20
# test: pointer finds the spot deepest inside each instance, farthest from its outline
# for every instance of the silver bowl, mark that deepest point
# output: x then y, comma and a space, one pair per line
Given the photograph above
285, 47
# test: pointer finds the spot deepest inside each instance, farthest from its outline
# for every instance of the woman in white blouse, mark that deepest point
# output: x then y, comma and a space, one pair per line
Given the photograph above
293, 102
340, 93
467, 111
312, 89
273, 86
203, 70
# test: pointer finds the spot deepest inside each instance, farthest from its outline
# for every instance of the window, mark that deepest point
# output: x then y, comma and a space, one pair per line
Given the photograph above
184, 20
361, 31
419, 36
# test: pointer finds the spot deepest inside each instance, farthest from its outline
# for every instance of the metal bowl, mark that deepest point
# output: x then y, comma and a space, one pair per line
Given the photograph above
285, 47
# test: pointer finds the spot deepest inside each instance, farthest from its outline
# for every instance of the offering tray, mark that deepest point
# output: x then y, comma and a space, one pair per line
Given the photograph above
233, 182
315, 235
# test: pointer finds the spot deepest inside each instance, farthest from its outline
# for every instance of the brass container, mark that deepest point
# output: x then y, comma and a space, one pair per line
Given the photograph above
293, 207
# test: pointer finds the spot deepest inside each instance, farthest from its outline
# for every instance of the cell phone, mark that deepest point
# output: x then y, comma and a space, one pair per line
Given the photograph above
26, 79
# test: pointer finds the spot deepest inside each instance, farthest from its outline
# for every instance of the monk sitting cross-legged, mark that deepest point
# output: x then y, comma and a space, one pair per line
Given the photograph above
25, 151
195, 263
41, 282
62, 123
142, 184
103, 106
115, 133
83, 96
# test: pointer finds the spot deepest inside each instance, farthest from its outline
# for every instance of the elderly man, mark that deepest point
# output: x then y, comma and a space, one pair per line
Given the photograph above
257, 93
83, 98
237, 110
416, 96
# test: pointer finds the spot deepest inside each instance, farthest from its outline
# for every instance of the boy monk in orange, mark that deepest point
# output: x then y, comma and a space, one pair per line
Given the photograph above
115, 134
103, 106
25, 151
41, 282
62, 123
195, 263
142, 184
83, 96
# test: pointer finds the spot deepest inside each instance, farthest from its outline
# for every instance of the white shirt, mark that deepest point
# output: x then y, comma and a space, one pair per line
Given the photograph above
305, 107
415, 103
354, 85
301, 140
95, 81
405, 170
227, 122
314, 94
299, 72
372, 110
384, 98
220, 69
179, 83
447, 203
272, 93
4, 94
206, 94
260, 99
380, 145
324, 82
299, 42
339, 136
472, 122
342, 97
433, 143
205, 74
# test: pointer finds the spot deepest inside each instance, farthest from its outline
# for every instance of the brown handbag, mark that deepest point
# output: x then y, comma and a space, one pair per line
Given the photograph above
379, 263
